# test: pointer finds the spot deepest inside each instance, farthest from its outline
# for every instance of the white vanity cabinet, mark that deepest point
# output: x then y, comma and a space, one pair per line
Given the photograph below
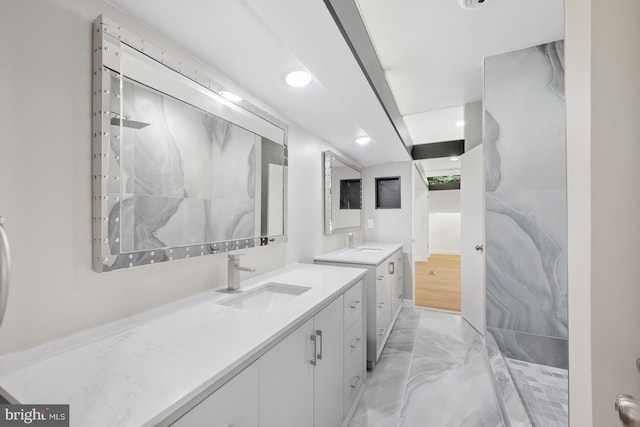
301, 377
234, 404
354, 347
383, 288
313, 376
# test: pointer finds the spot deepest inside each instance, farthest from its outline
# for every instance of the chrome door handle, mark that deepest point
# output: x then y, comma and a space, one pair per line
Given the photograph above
319, 334
479, 248
628, 410
5, 269
314, 361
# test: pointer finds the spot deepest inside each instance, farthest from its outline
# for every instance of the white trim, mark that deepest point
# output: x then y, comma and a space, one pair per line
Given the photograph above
437, 252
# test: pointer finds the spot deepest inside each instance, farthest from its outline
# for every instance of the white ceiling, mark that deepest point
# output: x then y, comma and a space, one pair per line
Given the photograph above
440, 167
436, 125
432, 51
256, 43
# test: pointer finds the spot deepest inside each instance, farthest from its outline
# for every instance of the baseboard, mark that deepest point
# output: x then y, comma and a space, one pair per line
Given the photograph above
445, 252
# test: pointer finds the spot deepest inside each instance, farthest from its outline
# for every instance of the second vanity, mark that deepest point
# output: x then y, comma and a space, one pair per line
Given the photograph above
288, 351
384, 287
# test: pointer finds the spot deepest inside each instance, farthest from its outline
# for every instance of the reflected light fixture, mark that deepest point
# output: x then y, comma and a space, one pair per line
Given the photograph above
460, 123
298, 78
230, 96
454, 159
363, 140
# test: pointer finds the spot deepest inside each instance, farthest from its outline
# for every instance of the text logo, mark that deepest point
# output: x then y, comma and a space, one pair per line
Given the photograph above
34, 415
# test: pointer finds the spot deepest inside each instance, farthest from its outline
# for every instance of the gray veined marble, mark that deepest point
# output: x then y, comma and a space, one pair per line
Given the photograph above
449, 382
513, 407
525, 164
181, 181
442, 380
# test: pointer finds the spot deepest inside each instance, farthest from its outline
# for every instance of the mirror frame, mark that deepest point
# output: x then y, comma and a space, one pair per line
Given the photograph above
110, 43
327, 157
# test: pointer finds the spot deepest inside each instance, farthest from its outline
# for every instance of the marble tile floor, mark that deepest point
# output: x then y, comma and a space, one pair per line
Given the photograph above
432, 373
512, 405
544, 392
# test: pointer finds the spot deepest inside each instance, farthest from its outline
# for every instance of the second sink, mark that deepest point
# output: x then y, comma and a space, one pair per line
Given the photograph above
265, 298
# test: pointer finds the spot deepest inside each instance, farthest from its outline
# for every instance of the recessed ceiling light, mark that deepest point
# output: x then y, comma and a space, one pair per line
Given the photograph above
298, 78
460, 123
230, 96
454, 159
363, 140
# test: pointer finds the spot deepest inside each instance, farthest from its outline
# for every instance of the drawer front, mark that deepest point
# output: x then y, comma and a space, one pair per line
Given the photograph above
353, 343
353, 382
353, 303
384, 322
398, 294
383, 302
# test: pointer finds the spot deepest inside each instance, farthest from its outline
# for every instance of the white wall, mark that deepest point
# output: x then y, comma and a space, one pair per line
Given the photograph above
444, 222
391, 225
578, 93
472, 125
45, 184
603, 102
420, 217
444, 233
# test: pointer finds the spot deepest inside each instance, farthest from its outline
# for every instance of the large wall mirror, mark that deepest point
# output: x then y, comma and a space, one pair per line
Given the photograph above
179, 170
342, 194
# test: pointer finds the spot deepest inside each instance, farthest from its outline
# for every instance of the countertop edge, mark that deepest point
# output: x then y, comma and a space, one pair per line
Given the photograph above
332, 257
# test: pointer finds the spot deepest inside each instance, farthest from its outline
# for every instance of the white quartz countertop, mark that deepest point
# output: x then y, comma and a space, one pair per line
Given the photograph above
366, 253
139, 370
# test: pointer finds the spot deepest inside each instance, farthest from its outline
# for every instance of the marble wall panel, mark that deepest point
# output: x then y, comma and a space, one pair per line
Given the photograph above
525, 163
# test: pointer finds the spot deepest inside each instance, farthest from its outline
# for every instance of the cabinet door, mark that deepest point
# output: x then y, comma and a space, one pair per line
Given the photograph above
286, 381
233, 404
329, 379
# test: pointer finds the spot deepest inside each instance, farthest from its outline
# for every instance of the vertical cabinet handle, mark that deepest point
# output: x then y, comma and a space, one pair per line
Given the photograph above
392, 267
314, 361
5, 269
319, 335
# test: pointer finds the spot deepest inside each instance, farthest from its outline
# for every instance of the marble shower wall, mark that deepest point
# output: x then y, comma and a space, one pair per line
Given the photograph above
526, 216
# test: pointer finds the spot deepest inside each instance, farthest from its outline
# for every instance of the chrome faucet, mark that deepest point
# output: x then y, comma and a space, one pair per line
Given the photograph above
233, 270
350, 241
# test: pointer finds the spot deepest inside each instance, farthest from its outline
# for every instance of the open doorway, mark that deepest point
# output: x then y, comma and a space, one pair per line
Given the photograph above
437, 221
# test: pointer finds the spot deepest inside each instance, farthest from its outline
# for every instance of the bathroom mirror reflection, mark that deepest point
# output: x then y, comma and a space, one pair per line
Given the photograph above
342, 194
187, 173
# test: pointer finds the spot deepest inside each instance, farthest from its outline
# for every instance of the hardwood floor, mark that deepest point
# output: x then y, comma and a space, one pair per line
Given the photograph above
438, 282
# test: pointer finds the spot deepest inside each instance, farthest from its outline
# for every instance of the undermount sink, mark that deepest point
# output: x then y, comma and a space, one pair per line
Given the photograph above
265, 298
369, 249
